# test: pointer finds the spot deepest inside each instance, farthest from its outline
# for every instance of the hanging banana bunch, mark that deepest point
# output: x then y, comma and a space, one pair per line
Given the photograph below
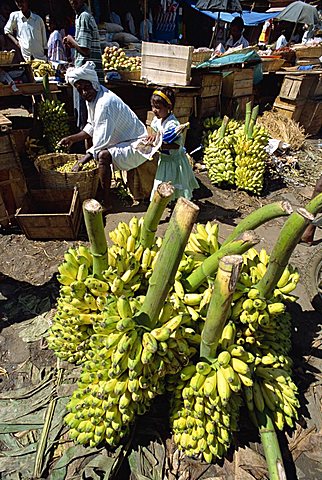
54, 117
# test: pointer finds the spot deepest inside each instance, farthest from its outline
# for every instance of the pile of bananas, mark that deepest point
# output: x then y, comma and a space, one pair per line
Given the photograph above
115, 58
54, 117
41, 67
67, 167
212, 124
250, 160
126, 365
219, 159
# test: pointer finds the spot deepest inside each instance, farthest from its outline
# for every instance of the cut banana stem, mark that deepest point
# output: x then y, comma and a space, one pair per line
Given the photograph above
271, 448
210, 266
220, 303
247, 116
175, 240
288, 238
154, 213
93, 216
259, 217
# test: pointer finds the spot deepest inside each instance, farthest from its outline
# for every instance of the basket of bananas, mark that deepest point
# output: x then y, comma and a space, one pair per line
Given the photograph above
55, 170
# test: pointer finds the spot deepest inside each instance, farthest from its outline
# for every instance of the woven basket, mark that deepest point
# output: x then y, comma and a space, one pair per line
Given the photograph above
6, 57
128, 76
86, 181
272, 64
200, 57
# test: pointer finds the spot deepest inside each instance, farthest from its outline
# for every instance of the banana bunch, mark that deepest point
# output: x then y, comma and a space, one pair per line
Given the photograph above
67, 167
210, 125
125, 370
54, 117
250, 160
33, 148
206, 401
202, 242
41, 67
219, 159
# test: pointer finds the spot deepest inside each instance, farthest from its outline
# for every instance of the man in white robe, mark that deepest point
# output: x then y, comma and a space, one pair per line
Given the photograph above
112, 125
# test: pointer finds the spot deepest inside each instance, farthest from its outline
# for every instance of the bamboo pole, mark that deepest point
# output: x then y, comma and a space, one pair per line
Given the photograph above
287, 240
271, 448
258, 217
93, 216
220, 303
154, 213
162, 278
210, 265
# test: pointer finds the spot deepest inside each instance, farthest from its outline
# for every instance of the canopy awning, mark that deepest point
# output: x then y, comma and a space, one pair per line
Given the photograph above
251, 19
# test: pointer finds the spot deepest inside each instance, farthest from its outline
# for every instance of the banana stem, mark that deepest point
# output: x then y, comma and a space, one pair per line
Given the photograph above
220, 303
259, 217
162, 279
223, 127
45, 82
271, 448
252, 121
154, 213
247, 116
288, 238
210, 266
95, 230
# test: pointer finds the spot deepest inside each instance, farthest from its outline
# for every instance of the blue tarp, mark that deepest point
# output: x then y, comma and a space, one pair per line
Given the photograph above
251, 19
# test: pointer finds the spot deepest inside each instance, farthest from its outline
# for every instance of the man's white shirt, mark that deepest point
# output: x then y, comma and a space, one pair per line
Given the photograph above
30, 33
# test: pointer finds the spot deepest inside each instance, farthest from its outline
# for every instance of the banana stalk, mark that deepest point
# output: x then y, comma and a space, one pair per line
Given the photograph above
288, 238
219, 307
252, 121
271, 448
175, 240
153, 215
259, 217
209, 267
93, 217
223, 127
247, 116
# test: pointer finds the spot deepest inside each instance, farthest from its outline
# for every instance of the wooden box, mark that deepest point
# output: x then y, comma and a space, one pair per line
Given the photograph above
210, 83
238, 83
12, 180
207, 106
296, 87
311, 117
235, 107
50, 214
164, 64
316, 90
291, 109
309, 52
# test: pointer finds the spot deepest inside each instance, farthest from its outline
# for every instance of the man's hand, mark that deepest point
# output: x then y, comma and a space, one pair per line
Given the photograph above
150, 139
69, 41
67, 141
79, 164
77, 167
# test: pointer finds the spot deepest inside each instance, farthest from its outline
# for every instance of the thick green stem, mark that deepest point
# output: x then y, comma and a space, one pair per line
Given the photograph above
247, 116
258, 217
223, 127
154, 213
220, 303
174, 243
93, 216
287, 240
252, 121
210, 266
271, 448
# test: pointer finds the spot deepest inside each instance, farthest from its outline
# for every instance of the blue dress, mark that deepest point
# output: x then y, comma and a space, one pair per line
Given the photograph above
173, 164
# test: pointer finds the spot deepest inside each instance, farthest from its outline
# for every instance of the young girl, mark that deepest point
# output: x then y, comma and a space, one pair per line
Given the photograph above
173, 163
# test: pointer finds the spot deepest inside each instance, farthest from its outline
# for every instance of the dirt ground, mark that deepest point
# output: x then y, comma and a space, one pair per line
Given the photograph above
28, 289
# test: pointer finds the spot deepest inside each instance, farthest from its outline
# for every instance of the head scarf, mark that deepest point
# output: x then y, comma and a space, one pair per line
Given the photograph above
85, 72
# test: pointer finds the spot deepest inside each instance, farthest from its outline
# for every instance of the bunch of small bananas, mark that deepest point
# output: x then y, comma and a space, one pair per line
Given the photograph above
67, 167
219, 159
41, 67
54, 117
250, 160
33, 148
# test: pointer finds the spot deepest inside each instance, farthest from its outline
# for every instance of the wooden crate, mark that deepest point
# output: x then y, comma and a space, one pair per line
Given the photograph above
50, 214
5, 123
291, 109
207, 106
12, 180
164, 64
238, 83
311, 117
235, 107
316, 89
295, 87
309, 52
210, 83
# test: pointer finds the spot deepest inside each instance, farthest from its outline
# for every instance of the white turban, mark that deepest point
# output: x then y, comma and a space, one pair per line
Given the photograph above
85, 72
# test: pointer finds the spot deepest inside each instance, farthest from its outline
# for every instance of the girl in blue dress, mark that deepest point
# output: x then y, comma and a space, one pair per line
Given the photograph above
173, 165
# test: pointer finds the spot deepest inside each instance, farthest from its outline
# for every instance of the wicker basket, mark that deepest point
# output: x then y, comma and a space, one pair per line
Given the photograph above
200, 57
6, 57
272, 64
128, 76
309, 52
86, 181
